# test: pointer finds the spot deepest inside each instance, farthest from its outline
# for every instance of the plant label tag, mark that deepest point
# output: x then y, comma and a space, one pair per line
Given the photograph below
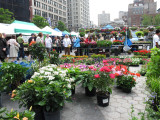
105, 101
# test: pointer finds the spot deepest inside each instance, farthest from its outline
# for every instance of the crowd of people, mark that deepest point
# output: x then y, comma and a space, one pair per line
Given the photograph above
13, 47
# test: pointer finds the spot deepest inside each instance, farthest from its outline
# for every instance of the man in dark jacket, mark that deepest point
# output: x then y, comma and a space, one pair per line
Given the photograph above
3, 46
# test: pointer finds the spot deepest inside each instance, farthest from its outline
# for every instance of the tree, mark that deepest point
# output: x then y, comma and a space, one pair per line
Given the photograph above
6, 16
147, 20
40, 21
61, 26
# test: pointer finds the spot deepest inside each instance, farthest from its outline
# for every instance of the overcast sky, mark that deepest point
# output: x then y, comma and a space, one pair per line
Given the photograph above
109, 6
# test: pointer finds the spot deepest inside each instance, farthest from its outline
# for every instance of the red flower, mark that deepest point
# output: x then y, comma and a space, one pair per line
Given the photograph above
105, 69
96, 76
32, 42
116, 74
138, 75
94, 69
53, 50
104, 61
112, 76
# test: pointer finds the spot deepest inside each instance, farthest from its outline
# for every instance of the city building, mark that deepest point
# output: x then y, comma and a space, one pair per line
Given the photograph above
103, 18
138, 9
122, 13
78, 14
20, 8
51, 10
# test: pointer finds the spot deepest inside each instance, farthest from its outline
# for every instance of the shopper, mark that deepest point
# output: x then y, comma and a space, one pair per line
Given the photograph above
77, 45
58, 45
21, 49
14, 48
32, 38
67, 44
3, 46
48, 43
156, 39
39, 38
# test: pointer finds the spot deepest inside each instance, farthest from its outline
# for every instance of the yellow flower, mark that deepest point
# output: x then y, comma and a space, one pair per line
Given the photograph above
30, 81
64, 91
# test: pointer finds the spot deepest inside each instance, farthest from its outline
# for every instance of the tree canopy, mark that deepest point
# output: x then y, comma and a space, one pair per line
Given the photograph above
61, 26
40, 21
151, 20
6, 16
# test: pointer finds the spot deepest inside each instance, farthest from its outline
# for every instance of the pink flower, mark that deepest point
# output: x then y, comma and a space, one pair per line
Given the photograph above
104, 61
91, 67
96, 76
94, 69
112, 76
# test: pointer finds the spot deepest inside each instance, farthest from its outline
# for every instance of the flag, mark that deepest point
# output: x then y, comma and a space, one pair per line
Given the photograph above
49, 21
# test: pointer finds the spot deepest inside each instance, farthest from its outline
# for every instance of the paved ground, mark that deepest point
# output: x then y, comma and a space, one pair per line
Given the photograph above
86, 108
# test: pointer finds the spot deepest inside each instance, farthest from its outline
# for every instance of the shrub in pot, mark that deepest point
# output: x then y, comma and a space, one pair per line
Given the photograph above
54, 57
47, 91
11, 76
88, 82
103, 81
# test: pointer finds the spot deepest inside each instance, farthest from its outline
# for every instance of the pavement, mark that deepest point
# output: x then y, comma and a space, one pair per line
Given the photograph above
86, 108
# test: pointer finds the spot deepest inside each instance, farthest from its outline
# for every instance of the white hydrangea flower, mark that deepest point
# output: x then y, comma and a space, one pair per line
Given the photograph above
47, 73
51, 82
69, 86
56, 73
51, 77
42, 71
71, 79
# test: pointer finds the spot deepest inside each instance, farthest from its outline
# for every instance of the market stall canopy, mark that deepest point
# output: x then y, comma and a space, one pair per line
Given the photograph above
53, 32
74, 34
26, 28
108, 27
5, 28
65, 33
56, 29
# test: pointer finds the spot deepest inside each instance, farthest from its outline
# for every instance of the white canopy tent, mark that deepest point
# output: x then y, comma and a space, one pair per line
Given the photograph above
53, 32
74, 34
6, 28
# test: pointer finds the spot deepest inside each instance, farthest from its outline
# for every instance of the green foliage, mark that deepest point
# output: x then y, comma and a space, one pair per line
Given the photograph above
147, 20
6, 16
133, 28
158, 27
82, 34
61, 26
11, 75
126, 82
54, 57
15, 115
49, 92
145, 32
40, 21
154, 66
123, 33
104, 43
87, 79
38, 51
25, 44
139, 34
151, 20
98, 56
82, 30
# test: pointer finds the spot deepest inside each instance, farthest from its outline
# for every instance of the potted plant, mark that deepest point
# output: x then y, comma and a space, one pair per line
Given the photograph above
103, 81
87, 82
15, 115
54, 57
46, 92
11, 76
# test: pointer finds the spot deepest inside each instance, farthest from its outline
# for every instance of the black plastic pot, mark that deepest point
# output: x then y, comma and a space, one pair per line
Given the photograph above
103, 99
127, 90
119, 87
143, 74
52, 115
39, 114
134, 65
73, 90
0, 99
89, 93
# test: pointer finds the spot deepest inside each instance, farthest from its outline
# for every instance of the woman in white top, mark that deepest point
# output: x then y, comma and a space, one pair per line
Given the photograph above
112, 38
39, 38
14, 48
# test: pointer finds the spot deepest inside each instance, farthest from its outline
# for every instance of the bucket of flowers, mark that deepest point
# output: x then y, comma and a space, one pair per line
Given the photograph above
125, 78
103, 80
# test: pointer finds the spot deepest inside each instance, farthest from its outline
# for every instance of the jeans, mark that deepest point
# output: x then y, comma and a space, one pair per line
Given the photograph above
21, 51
